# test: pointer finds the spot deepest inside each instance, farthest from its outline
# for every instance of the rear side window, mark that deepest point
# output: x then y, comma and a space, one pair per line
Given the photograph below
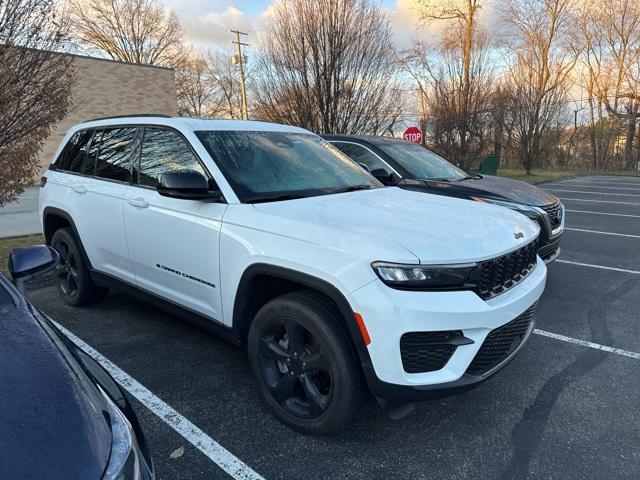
92, 153
74, 153
164, 150
114, 157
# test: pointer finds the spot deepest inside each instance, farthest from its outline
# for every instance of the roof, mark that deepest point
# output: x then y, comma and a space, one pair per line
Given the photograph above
194, 124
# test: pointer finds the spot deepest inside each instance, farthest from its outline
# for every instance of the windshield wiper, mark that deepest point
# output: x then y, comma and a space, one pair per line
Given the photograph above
469, 177
273, 198
351, 188
435, 179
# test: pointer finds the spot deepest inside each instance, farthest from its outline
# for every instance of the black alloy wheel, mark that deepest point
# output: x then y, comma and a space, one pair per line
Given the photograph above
295, 369
67, 270
72, 277
304, 364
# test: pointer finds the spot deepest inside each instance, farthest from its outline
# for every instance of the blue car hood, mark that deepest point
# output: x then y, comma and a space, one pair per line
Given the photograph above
52, 418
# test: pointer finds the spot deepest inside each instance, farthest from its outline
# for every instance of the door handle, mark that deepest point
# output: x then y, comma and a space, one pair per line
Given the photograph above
138, 202
80, 189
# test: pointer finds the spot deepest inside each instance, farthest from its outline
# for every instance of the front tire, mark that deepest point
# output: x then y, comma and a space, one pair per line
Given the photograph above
72, 275
305, 367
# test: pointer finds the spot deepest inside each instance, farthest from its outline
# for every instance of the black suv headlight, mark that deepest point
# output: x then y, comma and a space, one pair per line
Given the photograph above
532, 212
124, 460
426, 277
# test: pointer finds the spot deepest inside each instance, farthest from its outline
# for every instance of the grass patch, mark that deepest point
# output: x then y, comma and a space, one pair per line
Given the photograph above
7, 244
539, 176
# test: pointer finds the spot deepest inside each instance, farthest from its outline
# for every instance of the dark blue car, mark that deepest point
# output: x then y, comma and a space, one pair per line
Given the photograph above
61, 415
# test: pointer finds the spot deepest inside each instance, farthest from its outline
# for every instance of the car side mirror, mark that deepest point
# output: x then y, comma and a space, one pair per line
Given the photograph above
385, 178
364, 167
26, 263
186, 184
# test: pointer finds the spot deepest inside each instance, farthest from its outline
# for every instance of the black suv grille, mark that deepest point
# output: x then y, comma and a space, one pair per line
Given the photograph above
502, 342
427, 351
502, 273
546, 251
555, 214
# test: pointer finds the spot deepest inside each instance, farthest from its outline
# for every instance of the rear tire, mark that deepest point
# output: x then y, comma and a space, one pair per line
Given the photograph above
305, 367
72, 276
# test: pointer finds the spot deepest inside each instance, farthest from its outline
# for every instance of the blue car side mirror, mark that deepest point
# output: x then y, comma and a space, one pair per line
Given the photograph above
26, 263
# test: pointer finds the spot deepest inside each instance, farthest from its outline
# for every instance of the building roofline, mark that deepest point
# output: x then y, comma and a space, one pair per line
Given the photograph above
89, 57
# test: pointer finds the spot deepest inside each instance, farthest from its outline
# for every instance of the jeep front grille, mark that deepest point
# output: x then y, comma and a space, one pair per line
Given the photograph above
502, 273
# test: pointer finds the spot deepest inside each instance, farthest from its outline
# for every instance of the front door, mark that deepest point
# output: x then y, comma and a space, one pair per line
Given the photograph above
173, 246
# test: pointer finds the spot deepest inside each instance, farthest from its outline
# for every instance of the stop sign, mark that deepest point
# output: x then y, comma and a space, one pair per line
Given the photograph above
413, 134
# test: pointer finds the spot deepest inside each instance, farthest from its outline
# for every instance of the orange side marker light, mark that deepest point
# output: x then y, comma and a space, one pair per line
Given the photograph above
363, 328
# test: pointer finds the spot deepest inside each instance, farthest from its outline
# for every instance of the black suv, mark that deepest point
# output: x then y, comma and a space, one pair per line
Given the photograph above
411, 166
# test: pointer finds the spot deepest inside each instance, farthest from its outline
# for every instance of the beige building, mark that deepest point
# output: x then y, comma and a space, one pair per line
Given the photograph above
106, 88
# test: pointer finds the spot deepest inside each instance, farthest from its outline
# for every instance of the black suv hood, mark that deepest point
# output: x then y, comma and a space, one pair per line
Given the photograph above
53, 418
488, 186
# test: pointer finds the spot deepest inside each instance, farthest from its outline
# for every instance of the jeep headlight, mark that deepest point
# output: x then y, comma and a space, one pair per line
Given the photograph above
425, 277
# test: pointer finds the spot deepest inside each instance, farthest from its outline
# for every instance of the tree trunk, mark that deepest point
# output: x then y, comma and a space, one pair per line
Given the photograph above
628, 144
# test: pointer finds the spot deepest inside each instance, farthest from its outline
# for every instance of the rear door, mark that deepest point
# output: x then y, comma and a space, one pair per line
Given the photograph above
173, 243
106, 177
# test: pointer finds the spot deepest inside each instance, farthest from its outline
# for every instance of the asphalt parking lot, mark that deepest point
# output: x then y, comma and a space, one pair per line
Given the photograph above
566, 407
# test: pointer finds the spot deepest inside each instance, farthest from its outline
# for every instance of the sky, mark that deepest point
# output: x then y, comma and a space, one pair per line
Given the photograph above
207, 22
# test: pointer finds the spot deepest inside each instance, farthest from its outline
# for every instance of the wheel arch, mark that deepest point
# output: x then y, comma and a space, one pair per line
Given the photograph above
262, 282
54, 219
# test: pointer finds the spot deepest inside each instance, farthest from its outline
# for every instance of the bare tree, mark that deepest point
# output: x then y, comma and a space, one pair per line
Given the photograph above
135, 31
35, 87
195, 87
208, 85
458, 95
227, 80
611, 33
464, 13
329, 65
543, 59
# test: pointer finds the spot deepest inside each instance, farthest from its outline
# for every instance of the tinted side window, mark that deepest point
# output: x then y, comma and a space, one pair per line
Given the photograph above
363, 156
113, 160
92, 153
72, 157
164, 150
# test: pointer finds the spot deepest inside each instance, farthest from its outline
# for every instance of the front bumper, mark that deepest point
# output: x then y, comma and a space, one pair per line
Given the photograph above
389, 314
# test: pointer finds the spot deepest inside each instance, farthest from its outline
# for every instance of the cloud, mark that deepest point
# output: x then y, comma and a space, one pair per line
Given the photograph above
213, 27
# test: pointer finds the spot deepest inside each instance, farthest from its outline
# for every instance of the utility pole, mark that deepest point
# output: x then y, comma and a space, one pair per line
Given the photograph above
245, 115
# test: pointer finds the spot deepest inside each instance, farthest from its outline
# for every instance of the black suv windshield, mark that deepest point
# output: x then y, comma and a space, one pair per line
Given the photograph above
270, 166
421, 163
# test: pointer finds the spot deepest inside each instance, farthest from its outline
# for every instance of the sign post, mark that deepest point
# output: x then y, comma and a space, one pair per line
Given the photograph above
413, 134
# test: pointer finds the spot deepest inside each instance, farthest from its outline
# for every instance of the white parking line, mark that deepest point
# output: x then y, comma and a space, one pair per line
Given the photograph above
603, 213
196, 437
633, 184
601, 267
635, 189
584, 343
599, 201
602, 233
594, 193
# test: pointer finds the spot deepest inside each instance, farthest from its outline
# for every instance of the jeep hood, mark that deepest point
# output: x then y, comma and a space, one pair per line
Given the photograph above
434, 228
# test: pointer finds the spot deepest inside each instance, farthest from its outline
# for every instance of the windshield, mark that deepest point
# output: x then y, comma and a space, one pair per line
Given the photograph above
421, 163
269, 166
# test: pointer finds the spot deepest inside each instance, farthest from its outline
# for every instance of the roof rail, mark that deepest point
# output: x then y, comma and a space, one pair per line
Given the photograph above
163, 115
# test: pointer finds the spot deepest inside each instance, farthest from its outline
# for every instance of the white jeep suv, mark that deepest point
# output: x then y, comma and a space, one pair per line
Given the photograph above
270, 236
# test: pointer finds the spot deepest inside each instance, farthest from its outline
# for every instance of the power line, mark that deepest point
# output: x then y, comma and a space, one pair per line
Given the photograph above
245, 115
